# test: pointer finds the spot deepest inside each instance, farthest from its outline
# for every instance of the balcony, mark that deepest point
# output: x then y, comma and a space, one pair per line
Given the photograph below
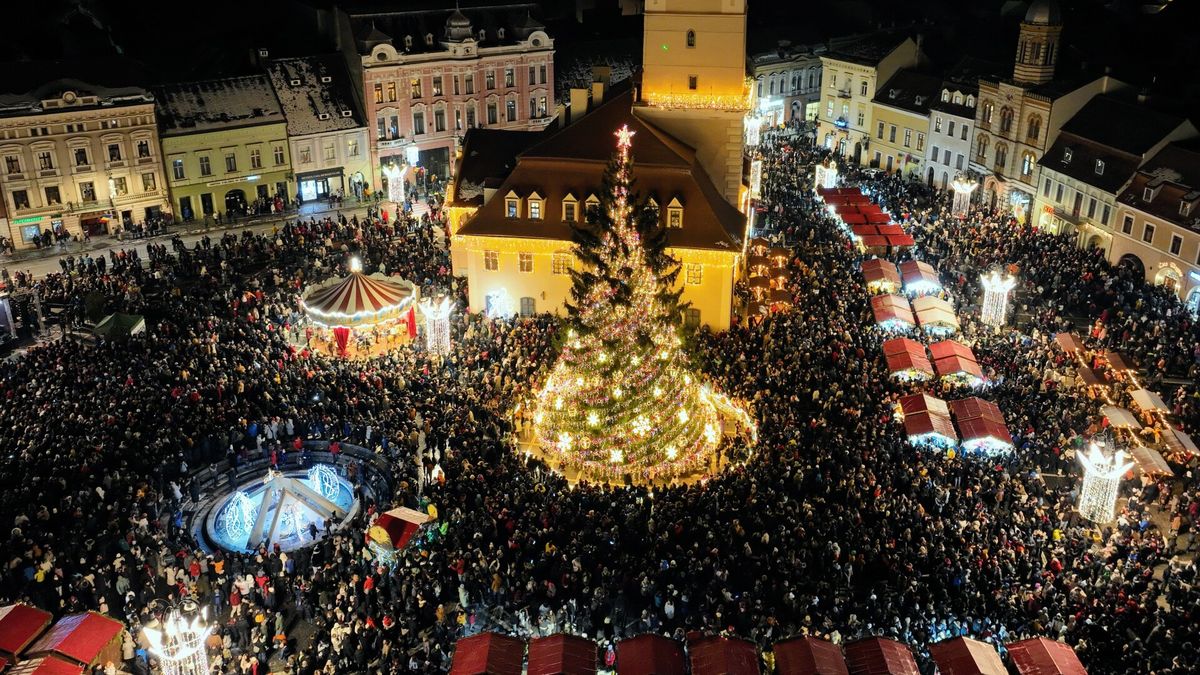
390, 143
16, 175
844, 93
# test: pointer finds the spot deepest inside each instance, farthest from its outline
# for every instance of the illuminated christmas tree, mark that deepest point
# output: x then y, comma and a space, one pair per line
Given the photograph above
623, 399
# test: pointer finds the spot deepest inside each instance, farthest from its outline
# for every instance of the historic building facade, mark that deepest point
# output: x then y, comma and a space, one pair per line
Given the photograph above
422, 90
787, 82
79, 158
900, 115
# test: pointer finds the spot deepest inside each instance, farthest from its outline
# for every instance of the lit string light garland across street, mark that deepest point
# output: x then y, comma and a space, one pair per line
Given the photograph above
623, 402
1101, 480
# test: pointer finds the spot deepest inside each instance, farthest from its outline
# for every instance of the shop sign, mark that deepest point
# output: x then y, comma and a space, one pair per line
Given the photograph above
30, 219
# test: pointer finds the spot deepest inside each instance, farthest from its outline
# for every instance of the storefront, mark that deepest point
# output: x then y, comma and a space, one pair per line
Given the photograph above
316, 185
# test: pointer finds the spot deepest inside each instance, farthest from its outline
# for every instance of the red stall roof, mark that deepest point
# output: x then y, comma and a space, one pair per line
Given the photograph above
1040, 656
853, 191
891, 308
905, 361
974, 407
852, 217
845, 208
981, 428
19, 625
46, 665
880, 656
964, 656
1069, 342
924, 403
940, 350
880, 270
925, 423
79, 637
916, 271
857, 199
649, 654
717, 655
488, 654
864, 230
889, 228
902, 345
809, 656
901, 240
875, 241
954, 365
562, 654
880, 219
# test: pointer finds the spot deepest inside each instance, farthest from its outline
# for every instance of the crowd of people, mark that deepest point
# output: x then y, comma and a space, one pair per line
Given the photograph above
836, 528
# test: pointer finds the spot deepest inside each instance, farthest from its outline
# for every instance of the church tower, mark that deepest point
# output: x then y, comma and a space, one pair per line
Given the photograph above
1038, 44
694, 83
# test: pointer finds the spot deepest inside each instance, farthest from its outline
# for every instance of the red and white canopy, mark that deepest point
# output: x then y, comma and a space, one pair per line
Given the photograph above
359, 300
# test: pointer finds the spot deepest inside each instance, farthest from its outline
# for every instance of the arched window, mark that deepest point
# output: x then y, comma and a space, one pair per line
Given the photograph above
988, 109
945, 95
1021, 52
1006, 119
691, 38
772, 87
1027, 164
1035, 127
1001, 154
1039, 51
981, 154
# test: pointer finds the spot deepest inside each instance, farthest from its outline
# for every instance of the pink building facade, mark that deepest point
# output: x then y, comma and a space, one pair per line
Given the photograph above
423, 91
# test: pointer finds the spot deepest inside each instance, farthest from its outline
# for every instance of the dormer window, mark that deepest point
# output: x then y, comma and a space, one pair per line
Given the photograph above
1067, 154
1185, 208
675, 214
970, 101
408, 42
591, 208
1148, 194
570, 208
957, 99
499, 33
482, 34
652, 205
536, 206
1099, 167
512, 205
429, 39
945, 95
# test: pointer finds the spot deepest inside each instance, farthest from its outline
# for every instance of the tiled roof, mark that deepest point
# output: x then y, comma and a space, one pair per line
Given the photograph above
30, 103
1121, 124
316, 94
910, 90
1174, 174
217, 104
416, 18
488, 156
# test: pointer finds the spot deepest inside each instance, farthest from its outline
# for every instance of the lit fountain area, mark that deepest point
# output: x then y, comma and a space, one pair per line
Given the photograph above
285, 507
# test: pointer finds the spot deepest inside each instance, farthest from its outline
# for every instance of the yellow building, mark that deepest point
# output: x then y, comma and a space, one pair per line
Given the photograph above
900, 115
851, 73
225, 144
516, 249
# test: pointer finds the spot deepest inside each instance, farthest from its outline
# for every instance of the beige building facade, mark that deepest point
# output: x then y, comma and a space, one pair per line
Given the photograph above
79, 159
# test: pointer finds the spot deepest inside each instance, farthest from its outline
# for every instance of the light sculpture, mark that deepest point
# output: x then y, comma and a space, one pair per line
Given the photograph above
996, 288
1101, 478
437, 325
238, 516
963, 187
325, 481
179, 644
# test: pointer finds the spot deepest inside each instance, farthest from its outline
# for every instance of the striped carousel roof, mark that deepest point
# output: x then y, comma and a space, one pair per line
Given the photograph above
358, 299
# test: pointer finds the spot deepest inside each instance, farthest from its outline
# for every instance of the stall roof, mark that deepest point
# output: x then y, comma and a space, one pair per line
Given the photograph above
878, 270
717, 655
1069, 342
1120, 418
901, 240
1119, 362
1089, 377
973, 407
875, 241
890, 228
902, 345
862, 230
79, 637
19, 625
880, 656
964, 656
488, 654
924, 402
891, 308
809, 656
845, 208
944, 348
880, 219
1040, 656
982, 431
937, 313
922, 424
1148, 400
905, 361
1179, 441
561, 654
46, 665
957, 365
1151, 462
649, 654
919, 276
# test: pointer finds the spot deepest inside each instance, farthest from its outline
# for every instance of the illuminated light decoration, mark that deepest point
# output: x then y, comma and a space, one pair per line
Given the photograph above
640, 415
1101, 480
238, 517
500, 304
825, 175
325, 481
395, 176
996, 288
756, 172
743, 102
179, 644
963, 187
437, 325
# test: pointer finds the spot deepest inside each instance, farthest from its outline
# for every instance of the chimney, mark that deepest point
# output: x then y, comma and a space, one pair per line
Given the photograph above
1143, 96
579, 103
601, 77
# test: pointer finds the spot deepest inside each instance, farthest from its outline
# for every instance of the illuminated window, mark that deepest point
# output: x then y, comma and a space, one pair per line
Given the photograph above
562, 263
512, 208
691, 318
674, 217
491, 260
695, 274
535, 207
525, 262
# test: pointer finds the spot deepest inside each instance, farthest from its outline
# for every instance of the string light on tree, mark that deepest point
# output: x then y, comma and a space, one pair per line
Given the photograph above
963, 187
1101, 479
996, 287
437, 325
621, 400
179, 644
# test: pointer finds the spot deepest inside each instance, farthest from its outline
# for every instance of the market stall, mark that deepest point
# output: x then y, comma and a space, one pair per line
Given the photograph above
360, 315
935, 315
906, 359
717, 655
488, 654
920, 278
964, 656
881, 276
880, 656
1042, 656
561, 653
892, 312
809, 656
650, 654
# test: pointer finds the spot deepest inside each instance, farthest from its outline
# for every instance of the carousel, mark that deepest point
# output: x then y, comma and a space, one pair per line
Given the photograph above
359, 315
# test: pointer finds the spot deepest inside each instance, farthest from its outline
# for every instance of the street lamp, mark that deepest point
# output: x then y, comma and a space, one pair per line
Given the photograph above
1101, 479
963, 187
179, 643
995, 297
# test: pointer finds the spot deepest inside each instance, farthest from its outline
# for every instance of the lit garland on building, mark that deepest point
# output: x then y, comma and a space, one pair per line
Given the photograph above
437, 325
1101, 480
622, 399
694, 100
995, 297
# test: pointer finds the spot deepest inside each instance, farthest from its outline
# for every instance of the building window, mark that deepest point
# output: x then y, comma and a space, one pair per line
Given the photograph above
532, 107
491, 260
691, 38
414, 87
53, 196
1027, 165
946, 157
119, 187
439, 120
963, 132
437, 85
20, 199
306, 155
510, 111
469, 83
379, 92
230, 162
569, 211
1035, 127
1058, 193
674, 217
950, 128
114, 152
535, 209
1148, 194
958, 161
470, 116
12, 164
1099, 167
1176, 244
691, 318
329, 151
255, 158
933, 154
1185, 208
81, 157
148, 183
391, 92
512, 208
489, 79
1105, 212
525, 262
981, 153
891, 133
1091, 212
177, 169
937, 124
908, 138
510, 77
1001, 155
1006, 120
278, 155
542, 74
1127, 225
205, 166
591, 208
692, 83
862, 119
418, 123
87, 191
562, 263
920, 141
829, 108
988, 109
862, 88
878, 129
695, 274
352, 147
1148, 233
492, 117
1046, 188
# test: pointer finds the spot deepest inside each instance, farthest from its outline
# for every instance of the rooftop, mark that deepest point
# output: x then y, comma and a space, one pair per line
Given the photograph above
1121, 124
1173, 175
210, 105
316, 94
81, 95
910, 90
418, 19
868, 50
488, 156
